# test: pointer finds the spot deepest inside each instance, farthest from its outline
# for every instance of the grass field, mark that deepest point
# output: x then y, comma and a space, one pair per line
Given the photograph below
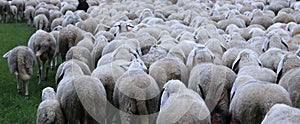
14, 108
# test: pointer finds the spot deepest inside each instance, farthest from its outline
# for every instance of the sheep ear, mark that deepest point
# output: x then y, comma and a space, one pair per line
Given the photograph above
190, 59
211, 53
164, 97
265, 44
125, 65
279, 69
236, 62
259, 62
201, 91
284, 43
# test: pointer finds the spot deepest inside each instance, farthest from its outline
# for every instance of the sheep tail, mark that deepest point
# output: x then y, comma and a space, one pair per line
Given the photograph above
6, 55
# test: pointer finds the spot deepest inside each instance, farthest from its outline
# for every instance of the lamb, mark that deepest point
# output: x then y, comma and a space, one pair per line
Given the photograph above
213, 83
68, 36
49, 110
41, 22
82, 54
192, 110
43, 44
282, 113
248, 104
21, 60
168, 68
136, 93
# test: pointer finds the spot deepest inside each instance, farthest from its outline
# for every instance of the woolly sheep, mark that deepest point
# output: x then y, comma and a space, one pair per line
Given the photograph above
108, 75
49, 110
87, 41
274, 40
53, 14
56, 22
287, 63
146, 41
74, 99
284, 18
133, 43
41, 22
43, 45
136, 93
99, 44
29, 15
258, 73
282, 113
246, 57
213, 83
20, 4
82, 54
68, 36
89, 25
21, 60
270, 59
262, 20
155, 53
168, 68
192, 110
248, 104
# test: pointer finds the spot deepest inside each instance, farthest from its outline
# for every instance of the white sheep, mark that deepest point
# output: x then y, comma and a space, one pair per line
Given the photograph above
41, 22
29, 15
82, 54
43, 44
252, 100
282, 113
49, 110
21, 60
192, 107
136, 92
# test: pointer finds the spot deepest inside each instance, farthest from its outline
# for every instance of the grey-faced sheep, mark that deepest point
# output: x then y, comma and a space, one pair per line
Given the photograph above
82, 98
136, 93
282, 113
43, 45
252, 100
213, 83
49, 110
192, 107
21, 60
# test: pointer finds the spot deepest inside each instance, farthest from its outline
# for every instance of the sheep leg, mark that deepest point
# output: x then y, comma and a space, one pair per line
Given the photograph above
26, 89
143, 112
18, 85
47, 69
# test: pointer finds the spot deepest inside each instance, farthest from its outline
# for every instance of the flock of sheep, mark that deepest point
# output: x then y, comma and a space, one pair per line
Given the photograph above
162, 61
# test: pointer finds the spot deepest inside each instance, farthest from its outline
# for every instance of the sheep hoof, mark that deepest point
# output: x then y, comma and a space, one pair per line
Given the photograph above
19, 92
27, 97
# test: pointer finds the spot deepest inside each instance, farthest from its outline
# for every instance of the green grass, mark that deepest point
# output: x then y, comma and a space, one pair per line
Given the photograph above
14, 108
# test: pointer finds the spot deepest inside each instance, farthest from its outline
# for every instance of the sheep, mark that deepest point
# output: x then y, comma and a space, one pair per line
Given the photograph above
252, 100
49, 110
29, 15
13, 13
84, 68
238, 22
82, 54
133, 43
21, 61
42, 10
136, 93
260, 19
274, 40
99, 44
146, 41
287, 63
53, 14
68, 36
282, 113
258, 73
41, 22
56, 22
74, 99
108, 75
89, 25
20, 4
123, 52
246, 57
284, 18
70, 18
213, 83
155, 53
270, 59
200, 54
43, 45
168, 68
87, 41
192, 110
4, 10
